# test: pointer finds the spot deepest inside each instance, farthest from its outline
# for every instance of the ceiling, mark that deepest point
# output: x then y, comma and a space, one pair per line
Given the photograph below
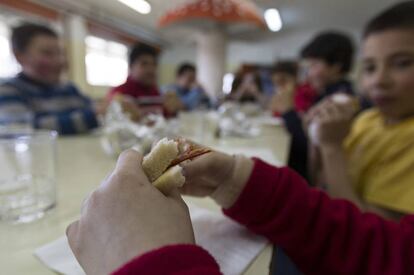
296, 14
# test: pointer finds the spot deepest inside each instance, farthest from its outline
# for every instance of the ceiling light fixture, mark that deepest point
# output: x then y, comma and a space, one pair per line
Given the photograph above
140, 6
273, 20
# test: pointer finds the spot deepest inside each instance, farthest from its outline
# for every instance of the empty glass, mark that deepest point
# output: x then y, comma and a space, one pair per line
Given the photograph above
27, 174
15, 122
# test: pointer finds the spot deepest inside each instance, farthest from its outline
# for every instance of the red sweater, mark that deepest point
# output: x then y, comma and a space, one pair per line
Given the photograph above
135, 89
321, 235
305, 98
147, 97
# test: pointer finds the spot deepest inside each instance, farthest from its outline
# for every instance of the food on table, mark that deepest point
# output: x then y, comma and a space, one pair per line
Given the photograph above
162, 167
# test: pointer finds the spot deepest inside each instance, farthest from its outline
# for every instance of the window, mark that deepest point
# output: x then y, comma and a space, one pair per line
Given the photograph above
106, 62
9, 66
228, 83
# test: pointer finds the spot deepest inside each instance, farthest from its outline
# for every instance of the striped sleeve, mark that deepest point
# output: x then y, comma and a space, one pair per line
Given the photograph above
68, 122
84, 118
78, 118
12, 104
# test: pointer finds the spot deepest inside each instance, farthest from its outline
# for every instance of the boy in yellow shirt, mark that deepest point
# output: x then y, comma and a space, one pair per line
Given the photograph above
371, 162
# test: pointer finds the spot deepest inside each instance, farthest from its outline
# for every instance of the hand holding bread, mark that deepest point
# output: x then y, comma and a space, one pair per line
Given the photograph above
125, 218
197, 171
162, 164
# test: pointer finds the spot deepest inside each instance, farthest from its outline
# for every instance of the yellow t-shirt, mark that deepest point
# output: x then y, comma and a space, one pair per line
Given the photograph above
381, 161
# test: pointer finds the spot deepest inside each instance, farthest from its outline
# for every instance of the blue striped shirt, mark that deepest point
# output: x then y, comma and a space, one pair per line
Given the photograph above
61, 107
191, 98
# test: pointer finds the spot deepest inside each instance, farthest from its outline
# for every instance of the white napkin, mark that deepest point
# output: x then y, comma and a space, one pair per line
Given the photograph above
58, 256
232, 245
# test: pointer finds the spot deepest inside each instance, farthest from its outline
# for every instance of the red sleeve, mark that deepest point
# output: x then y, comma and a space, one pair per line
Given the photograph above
175, 259
305, 98
322, 235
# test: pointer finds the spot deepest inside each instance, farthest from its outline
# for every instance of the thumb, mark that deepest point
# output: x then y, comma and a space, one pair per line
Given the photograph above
129, 160
72, 235
174, 194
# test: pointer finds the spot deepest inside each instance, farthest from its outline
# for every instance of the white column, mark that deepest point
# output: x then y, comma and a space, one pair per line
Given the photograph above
75, 32
211, 60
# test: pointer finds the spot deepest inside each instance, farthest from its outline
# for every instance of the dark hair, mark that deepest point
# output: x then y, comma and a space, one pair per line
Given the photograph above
286, 67
139, 50
185, 67
239, 77
23, 34
400, 16
334, 48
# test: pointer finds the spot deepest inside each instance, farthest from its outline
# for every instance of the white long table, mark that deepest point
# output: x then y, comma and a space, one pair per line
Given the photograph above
82, 165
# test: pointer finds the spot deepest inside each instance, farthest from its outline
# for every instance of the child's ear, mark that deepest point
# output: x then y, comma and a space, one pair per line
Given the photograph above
19, 56
336, 69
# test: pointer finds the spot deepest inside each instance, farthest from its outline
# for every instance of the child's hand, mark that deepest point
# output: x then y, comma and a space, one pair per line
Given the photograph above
218, 175
329, 122
129, 107
126, 217
283, 101
172, 103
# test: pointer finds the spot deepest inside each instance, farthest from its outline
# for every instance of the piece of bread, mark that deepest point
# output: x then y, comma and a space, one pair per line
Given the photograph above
162, 167
345, 99
172, 178
160, 157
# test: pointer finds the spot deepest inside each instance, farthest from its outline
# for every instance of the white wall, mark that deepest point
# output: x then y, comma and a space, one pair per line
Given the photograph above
171, 57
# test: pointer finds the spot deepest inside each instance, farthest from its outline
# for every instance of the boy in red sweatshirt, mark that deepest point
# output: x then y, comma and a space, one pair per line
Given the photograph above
139, 95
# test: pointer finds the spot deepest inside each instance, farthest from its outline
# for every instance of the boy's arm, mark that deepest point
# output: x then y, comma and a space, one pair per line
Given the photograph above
321, 235
333, 122
12, 104
195, 98
175, 259
88, 113
66, 122
298, 155
69, 122
293, 123
76, 120
335, 168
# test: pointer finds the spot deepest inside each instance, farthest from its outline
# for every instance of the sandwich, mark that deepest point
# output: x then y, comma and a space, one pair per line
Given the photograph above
162, 164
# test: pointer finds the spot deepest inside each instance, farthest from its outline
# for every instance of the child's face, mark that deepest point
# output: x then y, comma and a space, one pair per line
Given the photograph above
144, 70
43, 59
388, 72
187, 79
319, 73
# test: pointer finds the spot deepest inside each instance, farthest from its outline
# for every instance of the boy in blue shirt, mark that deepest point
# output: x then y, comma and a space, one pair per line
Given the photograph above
37, 89
191, 94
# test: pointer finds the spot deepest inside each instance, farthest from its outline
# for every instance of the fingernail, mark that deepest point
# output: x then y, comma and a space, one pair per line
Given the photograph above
137, 148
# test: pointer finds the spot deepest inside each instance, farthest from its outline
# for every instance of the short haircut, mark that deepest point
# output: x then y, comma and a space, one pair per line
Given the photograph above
139, 50
22, 35
334, 48
286, 67
185, 67
399, 16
